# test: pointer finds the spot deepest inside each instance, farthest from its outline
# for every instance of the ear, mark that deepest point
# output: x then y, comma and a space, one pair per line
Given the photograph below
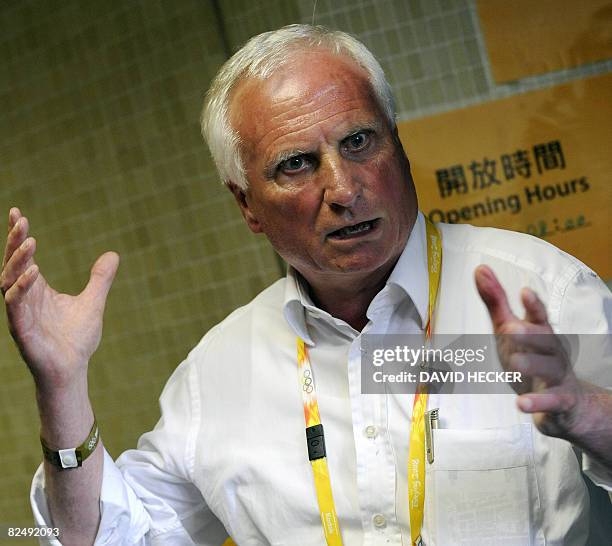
242, 198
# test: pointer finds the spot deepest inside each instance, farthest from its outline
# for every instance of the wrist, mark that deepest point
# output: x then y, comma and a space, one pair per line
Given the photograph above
66, 414
54, 380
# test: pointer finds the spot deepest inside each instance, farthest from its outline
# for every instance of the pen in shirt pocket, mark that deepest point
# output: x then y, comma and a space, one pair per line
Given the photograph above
431, 423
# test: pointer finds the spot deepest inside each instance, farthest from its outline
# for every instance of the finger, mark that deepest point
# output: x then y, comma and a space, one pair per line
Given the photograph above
19, 289
535, 311
19, 262
549, 369
102, 275
493, 296
554, 400
16, 236
14, 215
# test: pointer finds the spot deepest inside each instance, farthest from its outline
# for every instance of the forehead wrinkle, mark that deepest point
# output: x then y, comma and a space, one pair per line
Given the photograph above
289, 114
287, 118
312, 98
296, 133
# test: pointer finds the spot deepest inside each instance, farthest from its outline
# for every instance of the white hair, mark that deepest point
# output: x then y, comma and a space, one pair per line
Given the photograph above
258, 59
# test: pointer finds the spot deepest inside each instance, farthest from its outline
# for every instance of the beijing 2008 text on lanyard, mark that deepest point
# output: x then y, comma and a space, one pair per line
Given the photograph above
416, 453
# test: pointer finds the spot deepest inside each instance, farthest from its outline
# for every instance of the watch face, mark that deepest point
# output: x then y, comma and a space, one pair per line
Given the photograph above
68, 458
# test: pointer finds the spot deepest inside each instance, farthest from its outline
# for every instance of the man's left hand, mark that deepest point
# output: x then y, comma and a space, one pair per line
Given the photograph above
550, 389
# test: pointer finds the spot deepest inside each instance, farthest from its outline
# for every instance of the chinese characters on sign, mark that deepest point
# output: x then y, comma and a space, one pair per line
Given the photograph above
521, 165
484, 174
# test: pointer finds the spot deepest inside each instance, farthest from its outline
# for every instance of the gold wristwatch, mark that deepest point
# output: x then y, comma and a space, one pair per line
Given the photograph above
73, 457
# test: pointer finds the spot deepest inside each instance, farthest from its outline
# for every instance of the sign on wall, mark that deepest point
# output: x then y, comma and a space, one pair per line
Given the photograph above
538, 163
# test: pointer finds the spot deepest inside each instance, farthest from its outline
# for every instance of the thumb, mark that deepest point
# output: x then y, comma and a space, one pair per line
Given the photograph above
101, 278
494, 297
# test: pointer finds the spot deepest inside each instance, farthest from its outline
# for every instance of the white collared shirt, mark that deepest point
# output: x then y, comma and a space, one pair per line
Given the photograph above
229, 450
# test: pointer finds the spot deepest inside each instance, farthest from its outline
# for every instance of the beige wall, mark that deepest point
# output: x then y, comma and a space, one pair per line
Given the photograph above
100, 147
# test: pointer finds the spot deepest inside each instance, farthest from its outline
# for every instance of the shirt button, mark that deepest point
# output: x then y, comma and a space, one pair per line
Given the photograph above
371, 432
379, 521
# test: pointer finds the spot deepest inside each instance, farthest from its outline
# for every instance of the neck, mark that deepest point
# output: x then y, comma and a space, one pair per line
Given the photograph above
348, 297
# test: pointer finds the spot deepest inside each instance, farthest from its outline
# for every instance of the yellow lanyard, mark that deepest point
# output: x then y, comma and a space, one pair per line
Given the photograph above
416, 451
316, 448
416, 456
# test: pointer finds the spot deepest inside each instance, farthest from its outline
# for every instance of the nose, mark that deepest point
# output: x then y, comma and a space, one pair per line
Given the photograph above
342, 188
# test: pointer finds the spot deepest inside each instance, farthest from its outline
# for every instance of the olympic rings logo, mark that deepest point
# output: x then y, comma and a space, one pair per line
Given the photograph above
307, 385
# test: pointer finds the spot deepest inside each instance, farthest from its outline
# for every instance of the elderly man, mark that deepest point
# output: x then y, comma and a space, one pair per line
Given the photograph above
300, 123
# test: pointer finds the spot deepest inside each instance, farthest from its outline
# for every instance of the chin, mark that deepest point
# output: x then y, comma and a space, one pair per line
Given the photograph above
364, 264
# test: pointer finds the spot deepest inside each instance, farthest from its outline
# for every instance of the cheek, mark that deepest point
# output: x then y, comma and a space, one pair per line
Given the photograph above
288, 211
394, 179
384, 180
385, 163
295, 203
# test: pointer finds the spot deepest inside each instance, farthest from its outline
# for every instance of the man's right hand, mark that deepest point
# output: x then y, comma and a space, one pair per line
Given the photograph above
56, 333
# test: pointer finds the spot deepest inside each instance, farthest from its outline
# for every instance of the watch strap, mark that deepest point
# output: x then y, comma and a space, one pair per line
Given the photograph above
72, 457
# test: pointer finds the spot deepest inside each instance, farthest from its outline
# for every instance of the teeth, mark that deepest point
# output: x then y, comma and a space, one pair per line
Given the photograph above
351, 230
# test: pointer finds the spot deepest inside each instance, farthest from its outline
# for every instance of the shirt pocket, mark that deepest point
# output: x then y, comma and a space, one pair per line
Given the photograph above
481, 488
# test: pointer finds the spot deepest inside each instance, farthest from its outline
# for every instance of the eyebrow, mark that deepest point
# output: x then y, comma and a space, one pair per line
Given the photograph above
367, 126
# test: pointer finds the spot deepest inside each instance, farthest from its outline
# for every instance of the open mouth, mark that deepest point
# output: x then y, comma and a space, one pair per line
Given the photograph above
358, 230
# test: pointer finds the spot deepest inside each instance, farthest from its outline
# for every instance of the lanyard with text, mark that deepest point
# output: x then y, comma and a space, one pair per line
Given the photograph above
416, 452
416, 457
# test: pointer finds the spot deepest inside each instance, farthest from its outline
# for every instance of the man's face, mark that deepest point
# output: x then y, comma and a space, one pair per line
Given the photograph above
329, 183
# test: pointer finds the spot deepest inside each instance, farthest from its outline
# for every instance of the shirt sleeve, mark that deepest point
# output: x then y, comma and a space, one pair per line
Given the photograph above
586, 309
148, 496
598, 474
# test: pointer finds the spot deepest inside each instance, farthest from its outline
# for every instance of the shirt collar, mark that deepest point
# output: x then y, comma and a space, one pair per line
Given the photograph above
409, 274
296, 302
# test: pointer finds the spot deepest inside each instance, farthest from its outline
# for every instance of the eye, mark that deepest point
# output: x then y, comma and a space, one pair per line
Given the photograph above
357, 141
294, 164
